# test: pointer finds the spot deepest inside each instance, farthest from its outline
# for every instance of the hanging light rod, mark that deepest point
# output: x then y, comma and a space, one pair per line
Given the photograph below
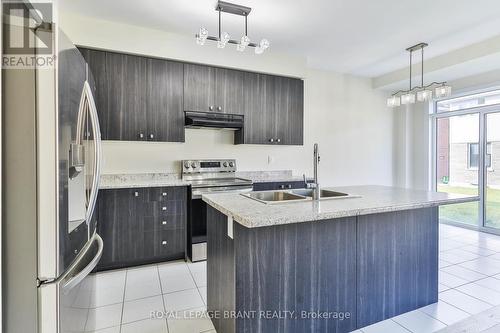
232, 8
223, 38
423, 92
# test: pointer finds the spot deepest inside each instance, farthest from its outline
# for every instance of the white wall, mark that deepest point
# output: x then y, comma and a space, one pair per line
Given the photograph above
411, 146
343, 113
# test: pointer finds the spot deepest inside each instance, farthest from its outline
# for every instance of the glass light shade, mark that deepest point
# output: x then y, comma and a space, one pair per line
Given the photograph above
203, 33
245, 40
424, 95
240, 47
200, 41
202, 36
224, 38
408, 98
443, 91
259, 50
264, 44
393, 101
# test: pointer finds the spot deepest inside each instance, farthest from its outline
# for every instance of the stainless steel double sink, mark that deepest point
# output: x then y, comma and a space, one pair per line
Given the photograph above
272, 197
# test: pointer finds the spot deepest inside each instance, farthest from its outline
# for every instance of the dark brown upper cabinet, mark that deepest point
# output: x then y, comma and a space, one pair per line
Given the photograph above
141, 98
274, 110
165, 97
137, 98
199, 88
273, 106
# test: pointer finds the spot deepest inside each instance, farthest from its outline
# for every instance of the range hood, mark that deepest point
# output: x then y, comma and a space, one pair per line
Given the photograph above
214, 120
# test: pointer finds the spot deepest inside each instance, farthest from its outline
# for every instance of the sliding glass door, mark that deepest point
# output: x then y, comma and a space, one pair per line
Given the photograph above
467, 157
457, 141
492, 171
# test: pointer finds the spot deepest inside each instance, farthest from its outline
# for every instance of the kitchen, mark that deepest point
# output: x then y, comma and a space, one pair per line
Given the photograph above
196, 181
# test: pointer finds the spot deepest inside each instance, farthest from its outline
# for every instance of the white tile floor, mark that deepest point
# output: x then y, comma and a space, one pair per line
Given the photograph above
125, 299
469, 283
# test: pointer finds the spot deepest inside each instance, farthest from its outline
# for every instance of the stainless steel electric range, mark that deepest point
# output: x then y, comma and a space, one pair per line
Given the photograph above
207, 176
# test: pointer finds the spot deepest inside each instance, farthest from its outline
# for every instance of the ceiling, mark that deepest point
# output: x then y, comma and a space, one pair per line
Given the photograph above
361, 37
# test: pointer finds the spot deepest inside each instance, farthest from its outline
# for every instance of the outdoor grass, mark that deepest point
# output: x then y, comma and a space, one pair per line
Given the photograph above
468, 212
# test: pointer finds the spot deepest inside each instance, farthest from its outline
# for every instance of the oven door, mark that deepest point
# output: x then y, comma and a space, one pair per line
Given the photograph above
197, 224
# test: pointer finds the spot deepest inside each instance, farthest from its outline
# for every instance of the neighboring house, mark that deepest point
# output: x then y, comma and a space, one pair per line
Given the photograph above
458, 151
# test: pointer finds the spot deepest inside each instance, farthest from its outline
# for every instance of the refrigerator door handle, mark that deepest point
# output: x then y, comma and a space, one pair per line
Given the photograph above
75, 274
96, 131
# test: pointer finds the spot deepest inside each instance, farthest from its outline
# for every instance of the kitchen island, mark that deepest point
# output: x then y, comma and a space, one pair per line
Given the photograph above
332, 265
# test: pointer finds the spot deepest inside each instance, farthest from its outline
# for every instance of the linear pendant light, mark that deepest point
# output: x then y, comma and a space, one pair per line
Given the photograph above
420, 93
223, 38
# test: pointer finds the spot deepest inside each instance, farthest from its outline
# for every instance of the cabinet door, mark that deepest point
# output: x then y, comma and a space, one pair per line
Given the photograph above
165, 114
199, 88
230, 86
97, 65
120, 221
289, 104
127, 94
259, 111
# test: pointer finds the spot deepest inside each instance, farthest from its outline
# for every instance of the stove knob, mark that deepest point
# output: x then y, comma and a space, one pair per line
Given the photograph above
231, 164
225, 164
186, 165
193, 165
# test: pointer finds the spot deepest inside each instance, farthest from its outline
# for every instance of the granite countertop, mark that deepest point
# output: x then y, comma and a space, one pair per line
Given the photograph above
373, 199
112, 181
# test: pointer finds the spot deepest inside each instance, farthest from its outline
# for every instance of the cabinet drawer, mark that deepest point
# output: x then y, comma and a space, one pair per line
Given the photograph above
171, 207
164, 243
169, 222
168, 193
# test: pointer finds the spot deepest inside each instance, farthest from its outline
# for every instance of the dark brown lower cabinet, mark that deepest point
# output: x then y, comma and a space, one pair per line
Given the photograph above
141, 225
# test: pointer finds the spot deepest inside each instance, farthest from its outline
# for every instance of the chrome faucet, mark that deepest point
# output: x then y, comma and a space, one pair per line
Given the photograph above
315, 185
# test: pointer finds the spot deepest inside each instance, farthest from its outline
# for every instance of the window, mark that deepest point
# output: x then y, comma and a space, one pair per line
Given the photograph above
470, 101
474, 156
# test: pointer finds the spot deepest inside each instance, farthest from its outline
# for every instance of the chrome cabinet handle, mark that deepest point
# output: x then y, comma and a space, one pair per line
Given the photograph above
136, 194
219, 108
289, 186
271, 140
151, 136
164, 208
163, 222
211, 108
164, 243
278, 140
164, 194
141, 135
282, 186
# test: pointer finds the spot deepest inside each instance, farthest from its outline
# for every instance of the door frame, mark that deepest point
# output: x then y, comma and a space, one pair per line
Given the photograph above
482, 112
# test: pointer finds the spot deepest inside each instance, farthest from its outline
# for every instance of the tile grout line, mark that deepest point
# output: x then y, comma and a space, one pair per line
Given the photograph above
123, 299
401, 325
162, 298
428, 315
421, 312
477, 299
456, 307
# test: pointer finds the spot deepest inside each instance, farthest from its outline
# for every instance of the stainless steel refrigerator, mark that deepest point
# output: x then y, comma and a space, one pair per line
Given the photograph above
51, 160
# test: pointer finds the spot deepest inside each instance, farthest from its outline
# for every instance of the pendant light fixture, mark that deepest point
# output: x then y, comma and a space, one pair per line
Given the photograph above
223, 38
420, 93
